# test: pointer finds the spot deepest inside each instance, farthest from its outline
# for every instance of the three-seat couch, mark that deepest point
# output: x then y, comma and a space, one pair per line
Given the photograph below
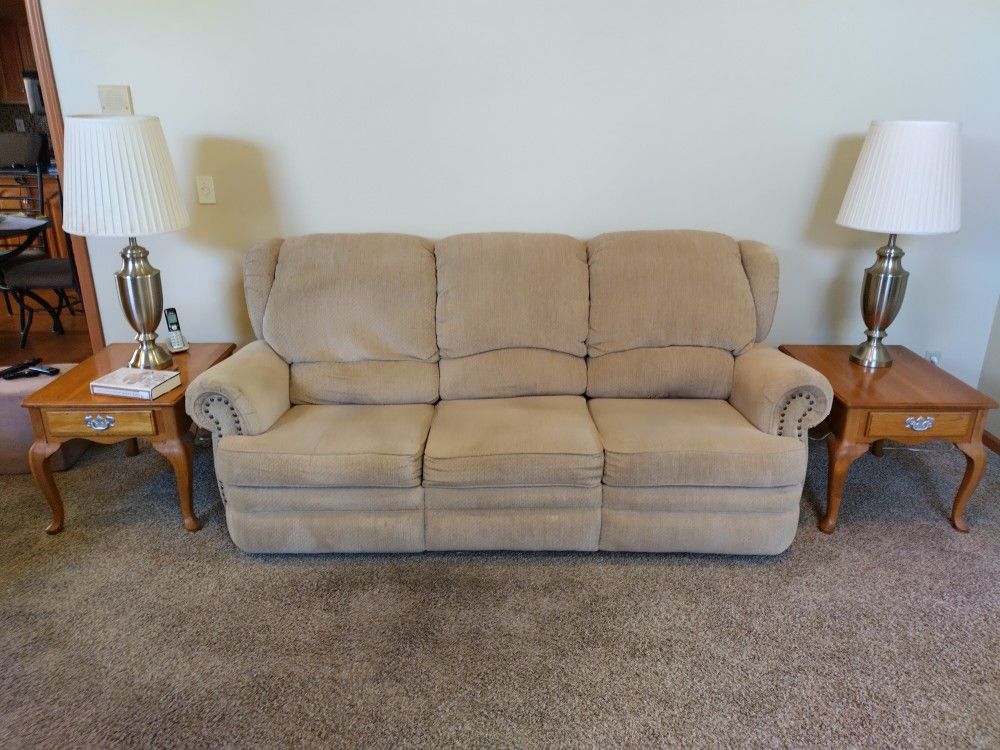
510, 391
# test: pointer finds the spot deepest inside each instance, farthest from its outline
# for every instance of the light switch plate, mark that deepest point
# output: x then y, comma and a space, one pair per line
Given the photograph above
115, 100
206, 188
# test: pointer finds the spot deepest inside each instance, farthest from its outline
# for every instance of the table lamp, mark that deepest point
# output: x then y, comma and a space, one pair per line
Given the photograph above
907, 181
119, 182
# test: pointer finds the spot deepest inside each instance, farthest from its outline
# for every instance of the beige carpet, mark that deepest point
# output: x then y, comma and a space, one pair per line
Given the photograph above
125, 631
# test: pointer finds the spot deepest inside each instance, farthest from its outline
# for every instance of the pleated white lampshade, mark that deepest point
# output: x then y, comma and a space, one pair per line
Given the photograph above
908, 180
119, 180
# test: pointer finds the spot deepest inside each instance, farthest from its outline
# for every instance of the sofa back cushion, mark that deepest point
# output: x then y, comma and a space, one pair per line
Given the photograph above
258, 278
354, 316
668, 312
761, 265
511, 315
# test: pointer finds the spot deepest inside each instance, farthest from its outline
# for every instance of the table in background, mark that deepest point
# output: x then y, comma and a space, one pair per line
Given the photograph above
65, 410
911, 402
12, 227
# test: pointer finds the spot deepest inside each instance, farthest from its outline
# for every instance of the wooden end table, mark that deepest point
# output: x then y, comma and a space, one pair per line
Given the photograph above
911, 402
65, 409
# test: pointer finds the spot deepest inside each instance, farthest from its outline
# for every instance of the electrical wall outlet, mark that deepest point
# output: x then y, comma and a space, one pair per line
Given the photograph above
933, 357
19, 125
206, 188
115, 100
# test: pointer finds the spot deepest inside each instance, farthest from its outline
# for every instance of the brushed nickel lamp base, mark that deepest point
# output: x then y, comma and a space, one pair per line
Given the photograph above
881, 299
141, 297
872, 353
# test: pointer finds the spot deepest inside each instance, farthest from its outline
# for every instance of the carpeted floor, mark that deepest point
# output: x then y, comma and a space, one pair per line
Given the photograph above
127, 631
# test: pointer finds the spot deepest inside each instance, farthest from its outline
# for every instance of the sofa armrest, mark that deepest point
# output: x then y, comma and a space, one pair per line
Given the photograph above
779, 394
242, 395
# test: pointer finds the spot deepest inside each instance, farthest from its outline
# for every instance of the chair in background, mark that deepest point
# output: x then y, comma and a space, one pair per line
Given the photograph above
24, 159
26, 280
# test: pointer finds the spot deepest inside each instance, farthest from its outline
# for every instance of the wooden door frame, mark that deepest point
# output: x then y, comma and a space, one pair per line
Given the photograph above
991, 441
53, 112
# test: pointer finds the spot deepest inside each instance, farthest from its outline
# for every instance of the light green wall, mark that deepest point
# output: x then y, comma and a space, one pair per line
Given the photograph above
989, 381
578, 116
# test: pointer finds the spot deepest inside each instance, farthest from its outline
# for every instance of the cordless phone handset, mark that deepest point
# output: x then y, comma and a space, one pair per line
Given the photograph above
175, 339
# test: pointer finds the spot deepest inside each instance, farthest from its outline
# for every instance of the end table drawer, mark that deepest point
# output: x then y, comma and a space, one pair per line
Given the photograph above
950, 424
96, 423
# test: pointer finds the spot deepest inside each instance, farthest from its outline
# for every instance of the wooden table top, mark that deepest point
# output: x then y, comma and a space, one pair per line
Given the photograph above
912, 382
72, 388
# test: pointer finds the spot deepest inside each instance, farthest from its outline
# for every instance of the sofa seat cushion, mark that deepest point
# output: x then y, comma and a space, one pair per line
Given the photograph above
530, 441
700, 442
352, 445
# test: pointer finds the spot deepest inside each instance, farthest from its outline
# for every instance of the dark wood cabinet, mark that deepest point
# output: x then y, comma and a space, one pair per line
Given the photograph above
15, 58
27, 55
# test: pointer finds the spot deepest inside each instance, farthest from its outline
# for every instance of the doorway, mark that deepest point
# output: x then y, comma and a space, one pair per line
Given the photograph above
31, 139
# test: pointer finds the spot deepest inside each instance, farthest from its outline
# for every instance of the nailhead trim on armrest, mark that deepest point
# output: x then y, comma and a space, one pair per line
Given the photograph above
225, 423
797, 405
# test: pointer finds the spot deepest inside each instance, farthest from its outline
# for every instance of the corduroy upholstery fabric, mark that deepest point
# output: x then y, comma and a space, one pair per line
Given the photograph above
525, 293
701, 442
505, 373
402, 382
778, 394
351, 445
512, 498
513, 518
702, 499
353, 298
513, 473
719, 520
258, 278
253, 382
666, 372
316, 531
761, 266
325, 519
347, 499
657, 289
513, 442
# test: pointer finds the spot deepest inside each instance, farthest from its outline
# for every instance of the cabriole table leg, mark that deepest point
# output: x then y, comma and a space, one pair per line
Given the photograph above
975, 465
38, 459
178, 453
842, 453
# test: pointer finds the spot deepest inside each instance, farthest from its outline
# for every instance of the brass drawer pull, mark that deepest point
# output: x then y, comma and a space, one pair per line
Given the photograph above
919, 424
99, 422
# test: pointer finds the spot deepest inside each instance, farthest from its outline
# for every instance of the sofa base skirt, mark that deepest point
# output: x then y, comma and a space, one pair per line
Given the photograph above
325, 519
719, 520
513, 518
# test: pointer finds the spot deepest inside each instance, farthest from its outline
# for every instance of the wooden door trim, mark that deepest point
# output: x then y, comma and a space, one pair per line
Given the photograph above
991, 441
53, 112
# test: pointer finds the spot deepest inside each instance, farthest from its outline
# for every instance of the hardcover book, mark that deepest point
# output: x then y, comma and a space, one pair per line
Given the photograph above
134, 383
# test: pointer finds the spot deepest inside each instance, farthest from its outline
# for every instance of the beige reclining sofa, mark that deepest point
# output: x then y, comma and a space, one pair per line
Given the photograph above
510, 391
